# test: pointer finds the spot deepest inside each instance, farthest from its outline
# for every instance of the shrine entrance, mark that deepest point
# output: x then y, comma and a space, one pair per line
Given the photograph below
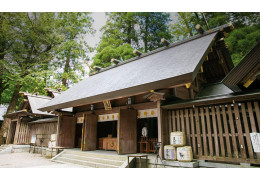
78, 136
107, 135
146, 143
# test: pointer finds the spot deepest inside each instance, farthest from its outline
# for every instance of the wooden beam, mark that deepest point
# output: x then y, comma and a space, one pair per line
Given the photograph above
60, 112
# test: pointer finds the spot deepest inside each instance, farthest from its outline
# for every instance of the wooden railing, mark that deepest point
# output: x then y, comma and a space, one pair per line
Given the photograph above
219, 132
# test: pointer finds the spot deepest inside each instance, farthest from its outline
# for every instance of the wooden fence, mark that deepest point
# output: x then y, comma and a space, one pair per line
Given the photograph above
25, 130
219, 132
22, 133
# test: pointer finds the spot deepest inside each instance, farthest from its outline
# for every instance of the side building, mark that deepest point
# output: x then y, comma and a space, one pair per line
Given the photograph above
28, 121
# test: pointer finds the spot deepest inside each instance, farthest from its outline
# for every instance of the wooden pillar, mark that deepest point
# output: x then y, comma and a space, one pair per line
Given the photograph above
58, 130
162, 127
17, 130
10, 130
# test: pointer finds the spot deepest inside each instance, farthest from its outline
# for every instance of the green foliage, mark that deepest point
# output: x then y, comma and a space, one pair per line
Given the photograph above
127, 30
153, 26
184, 27
240, 41
74, 48
31, 40
245, 35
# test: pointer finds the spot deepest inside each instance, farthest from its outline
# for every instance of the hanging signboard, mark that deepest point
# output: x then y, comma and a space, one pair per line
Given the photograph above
107, 105
255, 139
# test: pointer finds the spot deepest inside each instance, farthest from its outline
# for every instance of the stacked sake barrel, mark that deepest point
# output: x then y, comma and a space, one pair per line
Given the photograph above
177, 149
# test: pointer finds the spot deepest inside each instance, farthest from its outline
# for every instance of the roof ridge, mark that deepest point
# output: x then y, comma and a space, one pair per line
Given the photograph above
38, 96
208, 32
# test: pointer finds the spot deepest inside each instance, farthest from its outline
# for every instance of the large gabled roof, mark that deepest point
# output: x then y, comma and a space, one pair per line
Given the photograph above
162, 68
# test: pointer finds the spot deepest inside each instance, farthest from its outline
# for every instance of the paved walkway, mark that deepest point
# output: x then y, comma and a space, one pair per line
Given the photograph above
26, 160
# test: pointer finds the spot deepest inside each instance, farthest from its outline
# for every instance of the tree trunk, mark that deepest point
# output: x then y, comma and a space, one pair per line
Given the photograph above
10, 109
1, 83
129, 34
66, 70
14, 99
146, 34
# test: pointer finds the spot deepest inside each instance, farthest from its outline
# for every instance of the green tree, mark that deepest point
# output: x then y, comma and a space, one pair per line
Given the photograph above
245, 35
118, 39
127, 30
32, 39
152, 27
184, 26
73, 26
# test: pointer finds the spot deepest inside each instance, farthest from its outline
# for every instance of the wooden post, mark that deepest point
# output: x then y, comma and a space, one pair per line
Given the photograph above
58, 129
17, 131
162, 128
9, 132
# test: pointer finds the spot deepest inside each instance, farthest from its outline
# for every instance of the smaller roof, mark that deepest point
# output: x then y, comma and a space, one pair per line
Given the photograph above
247, 65
36, 102
215, 89
45, 120
212, 99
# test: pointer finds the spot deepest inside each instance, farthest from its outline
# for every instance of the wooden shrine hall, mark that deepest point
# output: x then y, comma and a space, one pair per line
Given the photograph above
28, 120
177, 87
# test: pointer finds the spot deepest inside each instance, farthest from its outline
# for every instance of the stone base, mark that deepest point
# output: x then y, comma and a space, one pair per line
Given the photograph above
25, 148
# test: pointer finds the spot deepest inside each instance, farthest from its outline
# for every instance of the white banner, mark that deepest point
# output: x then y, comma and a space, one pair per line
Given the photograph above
255, 139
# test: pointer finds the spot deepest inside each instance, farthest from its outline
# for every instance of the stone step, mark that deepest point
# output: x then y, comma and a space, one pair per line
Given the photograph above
97, 155
62, 162
85, 163
94, 159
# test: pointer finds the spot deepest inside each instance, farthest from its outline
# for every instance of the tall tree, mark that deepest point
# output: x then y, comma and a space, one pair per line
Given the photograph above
152, 27
245, 35
127, 30
32, 38
74, 26
183, 27
119, 35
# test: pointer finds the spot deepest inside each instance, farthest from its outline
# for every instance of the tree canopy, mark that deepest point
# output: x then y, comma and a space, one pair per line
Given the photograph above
125, 31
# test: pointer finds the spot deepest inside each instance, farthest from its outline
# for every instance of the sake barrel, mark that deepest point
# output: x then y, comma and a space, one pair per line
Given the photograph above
178, 139
169, 152
184, 154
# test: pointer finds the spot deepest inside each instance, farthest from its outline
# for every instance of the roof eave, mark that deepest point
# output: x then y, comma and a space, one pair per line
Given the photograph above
166, 83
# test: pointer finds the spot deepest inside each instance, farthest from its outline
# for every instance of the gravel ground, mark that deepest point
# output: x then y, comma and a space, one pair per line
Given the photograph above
26, 160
